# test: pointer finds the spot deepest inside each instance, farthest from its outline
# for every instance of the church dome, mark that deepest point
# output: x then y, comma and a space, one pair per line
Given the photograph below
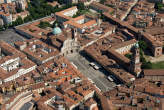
56, 31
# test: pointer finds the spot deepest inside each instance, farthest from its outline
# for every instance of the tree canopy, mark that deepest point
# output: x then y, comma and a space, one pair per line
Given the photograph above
81, 6
39, 8
158, 6
44, 24
28, 18
102, 1
142, 45
18, 21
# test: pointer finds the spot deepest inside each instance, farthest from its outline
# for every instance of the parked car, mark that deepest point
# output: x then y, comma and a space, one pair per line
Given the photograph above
95, 65
110, 78
92, 64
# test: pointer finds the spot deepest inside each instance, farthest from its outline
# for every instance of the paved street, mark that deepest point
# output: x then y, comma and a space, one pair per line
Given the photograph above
10, 36
98, 77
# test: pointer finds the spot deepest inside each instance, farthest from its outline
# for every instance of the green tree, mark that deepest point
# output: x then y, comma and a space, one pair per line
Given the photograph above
50, 0
146, 65
19, 20
142, 45
18, 10
158, 6
39, 9
81, 6
44, 24
1, 28
102, 1
61, 1
54, 24
6, 26
128, 56
27, 18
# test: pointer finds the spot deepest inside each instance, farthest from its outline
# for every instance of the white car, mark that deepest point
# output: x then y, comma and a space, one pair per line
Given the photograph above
74, 65
92, 64
95, 65
110, 79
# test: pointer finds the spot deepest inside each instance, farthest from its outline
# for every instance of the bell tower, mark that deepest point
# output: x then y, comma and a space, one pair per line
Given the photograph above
135, 65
